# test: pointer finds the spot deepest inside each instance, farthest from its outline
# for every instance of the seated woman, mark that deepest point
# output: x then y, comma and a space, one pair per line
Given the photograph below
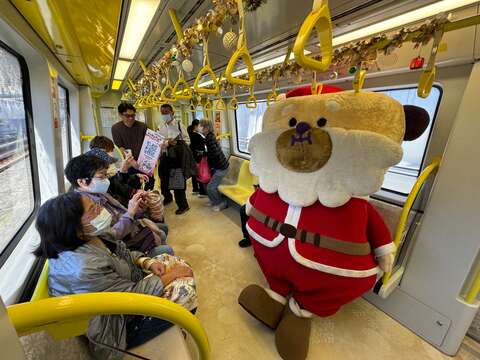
88, 176
122, 187
218, 163
122, 184
83, 256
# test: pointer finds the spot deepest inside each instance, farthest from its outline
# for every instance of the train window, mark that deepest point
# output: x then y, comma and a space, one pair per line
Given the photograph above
64, 110
401, 177
17, 169
248, 122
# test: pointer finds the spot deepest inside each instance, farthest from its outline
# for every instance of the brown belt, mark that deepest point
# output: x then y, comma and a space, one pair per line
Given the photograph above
290, 231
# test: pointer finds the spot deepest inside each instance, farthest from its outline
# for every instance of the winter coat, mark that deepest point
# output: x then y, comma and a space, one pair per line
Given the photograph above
216, 157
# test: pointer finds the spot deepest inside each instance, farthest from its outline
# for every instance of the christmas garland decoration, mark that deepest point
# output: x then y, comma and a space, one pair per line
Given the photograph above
345, 59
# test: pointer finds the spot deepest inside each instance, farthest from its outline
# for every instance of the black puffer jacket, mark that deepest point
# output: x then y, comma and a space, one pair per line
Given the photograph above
215, 156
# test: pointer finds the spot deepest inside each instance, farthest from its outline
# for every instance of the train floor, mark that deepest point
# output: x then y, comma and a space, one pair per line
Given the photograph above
208, 241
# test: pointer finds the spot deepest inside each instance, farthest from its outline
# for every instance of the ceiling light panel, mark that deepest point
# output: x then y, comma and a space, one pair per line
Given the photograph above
121, 69
140, 15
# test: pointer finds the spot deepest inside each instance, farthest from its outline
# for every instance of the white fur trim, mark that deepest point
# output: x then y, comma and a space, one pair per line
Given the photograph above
297, 310
356, 167
292, 217
385, 249
276, 296
248, 207
327, 268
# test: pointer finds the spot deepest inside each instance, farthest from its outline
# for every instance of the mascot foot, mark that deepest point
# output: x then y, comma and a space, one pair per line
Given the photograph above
293, 336
256, 301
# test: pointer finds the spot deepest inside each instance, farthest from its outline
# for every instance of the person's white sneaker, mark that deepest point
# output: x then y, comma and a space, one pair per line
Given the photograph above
201, 196
220, 207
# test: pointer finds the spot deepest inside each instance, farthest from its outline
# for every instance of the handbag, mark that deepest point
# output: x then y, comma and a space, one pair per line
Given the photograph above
176, 180
204, 173
143, 241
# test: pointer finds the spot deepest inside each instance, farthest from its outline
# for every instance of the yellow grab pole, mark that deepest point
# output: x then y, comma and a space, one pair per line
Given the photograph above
474, 289
176, 24
408, 206
29, 317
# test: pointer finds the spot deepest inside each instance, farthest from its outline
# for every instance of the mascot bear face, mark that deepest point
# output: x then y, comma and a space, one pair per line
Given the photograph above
330, 147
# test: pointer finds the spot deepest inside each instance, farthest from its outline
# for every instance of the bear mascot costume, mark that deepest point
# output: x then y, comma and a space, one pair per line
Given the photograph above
318, 243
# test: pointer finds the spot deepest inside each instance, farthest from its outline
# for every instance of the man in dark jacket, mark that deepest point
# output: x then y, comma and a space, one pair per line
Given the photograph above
218, 163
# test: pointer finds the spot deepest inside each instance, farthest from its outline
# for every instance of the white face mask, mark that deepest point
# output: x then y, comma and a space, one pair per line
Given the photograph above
99, 186
200, 129
112, 170
167, 118
101, 223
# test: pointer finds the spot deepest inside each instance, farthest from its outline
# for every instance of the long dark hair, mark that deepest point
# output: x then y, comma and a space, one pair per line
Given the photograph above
59, 225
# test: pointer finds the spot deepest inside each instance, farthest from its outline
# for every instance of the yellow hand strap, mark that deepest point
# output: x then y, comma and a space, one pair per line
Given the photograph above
241, 52
181, 90
233, 104
207, 106
251, 101
359, 78
168, 95
220, 104
319, 18
428, 75
206, 69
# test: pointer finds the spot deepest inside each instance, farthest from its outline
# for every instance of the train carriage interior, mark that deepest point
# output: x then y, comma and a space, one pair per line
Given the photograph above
236, 65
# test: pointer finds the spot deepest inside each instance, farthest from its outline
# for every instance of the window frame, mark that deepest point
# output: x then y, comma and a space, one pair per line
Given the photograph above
69, 124
237, 149
427, 145
30, 131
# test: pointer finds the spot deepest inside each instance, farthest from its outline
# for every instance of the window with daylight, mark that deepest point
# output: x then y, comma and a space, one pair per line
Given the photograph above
16, 175
248, 122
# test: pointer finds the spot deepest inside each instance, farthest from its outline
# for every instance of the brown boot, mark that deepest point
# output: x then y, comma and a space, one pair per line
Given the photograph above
256, 301
292, 337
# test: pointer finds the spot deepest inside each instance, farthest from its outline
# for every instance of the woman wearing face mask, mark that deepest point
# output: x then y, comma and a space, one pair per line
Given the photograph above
84, 257
122, 184
88, 176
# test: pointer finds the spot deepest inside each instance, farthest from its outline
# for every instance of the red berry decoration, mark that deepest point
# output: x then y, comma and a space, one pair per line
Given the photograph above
417, 63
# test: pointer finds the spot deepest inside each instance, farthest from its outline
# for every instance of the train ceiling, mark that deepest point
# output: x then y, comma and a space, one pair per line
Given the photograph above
86, 34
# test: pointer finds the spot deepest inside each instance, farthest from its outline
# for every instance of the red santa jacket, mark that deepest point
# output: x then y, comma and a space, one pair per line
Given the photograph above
357, 221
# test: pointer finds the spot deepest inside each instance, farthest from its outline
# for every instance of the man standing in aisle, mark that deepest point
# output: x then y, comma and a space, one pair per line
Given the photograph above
128, 134
173, 158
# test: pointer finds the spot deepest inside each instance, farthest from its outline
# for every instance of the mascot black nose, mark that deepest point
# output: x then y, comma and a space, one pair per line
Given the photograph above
302, 127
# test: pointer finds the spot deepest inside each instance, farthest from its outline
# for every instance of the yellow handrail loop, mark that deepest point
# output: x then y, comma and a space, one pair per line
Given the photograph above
251, 101
51, 312
272, 97
233, 103
359, 78
207, 105
428, 75
181, 90
167, 93
407, 207
319, 18
206, 69
241, 52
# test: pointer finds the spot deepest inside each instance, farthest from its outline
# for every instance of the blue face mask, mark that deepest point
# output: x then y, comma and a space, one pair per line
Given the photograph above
99, 186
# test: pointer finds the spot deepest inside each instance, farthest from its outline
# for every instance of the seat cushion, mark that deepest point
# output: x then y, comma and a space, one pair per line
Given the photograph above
236, 193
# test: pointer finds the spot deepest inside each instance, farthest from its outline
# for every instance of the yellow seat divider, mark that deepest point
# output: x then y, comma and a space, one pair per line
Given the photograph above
243, 189
68, 316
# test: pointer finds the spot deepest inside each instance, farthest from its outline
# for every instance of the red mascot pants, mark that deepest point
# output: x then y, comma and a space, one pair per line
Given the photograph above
318, 292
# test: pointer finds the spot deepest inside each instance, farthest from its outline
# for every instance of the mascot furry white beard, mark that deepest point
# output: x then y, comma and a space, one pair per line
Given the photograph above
318, 244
